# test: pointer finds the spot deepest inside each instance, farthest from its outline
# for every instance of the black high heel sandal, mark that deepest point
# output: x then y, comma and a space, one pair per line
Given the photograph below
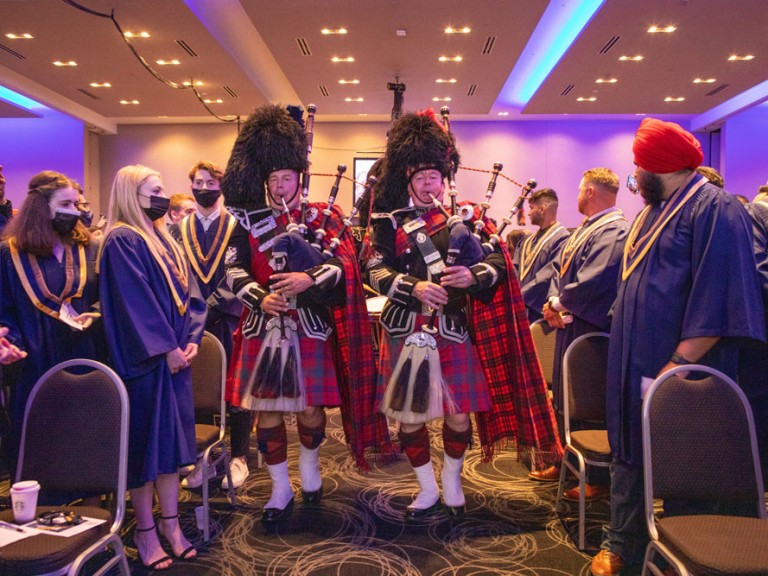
153, 565
187, 551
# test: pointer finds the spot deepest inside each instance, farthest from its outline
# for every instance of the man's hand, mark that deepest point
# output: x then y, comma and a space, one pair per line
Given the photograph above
457, 277
291, 284
552, 317
86, 319
9, 353
274, 304
431, 294
177, 361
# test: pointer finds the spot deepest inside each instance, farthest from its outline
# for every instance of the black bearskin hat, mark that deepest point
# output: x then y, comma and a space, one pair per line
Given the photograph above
272, 138
416, 140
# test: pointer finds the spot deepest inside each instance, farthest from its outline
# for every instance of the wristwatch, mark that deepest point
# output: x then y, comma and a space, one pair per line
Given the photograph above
679, 359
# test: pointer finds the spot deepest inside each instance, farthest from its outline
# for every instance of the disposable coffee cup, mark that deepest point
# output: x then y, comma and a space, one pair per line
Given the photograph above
24, 500
200, 517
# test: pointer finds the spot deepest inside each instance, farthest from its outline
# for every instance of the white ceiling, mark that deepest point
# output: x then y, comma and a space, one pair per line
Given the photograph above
249, 52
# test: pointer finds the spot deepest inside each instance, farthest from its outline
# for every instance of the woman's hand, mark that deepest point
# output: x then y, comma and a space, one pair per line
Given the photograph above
431, 294
9, 353
177, 360
190, 351
290, 284
86, 319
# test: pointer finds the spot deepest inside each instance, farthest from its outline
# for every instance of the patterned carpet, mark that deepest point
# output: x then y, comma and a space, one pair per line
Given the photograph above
510, 528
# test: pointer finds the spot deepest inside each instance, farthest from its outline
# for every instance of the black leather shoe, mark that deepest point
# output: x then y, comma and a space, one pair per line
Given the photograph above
272, 515
454, 512
312, 498
417, 513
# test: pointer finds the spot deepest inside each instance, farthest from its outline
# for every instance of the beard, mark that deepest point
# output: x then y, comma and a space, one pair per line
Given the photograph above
651, 188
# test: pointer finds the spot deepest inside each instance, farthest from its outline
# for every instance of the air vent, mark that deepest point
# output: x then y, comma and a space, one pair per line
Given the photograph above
718, 89
610, 44
303, 46
567, 90
84, 91
231, 92
488, 46
12, 52
187, 48
472, 88
323, 90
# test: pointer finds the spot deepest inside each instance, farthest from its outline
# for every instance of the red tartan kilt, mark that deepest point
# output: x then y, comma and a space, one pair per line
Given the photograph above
320, 382
461, 370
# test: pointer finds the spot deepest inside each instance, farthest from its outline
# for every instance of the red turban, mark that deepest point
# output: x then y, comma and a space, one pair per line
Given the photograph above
664, 147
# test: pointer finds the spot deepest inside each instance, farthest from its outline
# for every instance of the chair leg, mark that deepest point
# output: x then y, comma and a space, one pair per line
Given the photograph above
582, 504
206, 522
231, 490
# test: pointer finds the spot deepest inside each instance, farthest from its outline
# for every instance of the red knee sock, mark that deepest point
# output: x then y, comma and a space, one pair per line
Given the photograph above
273, 443
311, 437
455, 443
416, 446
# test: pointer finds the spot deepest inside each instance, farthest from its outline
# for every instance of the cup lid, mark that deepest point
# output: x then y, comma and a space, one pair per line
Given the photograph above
25, 485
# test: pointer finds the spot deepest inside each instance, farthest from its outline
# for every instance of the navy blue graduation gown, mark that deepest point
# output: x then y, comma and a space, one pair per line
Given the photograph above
697, 280
588, 291
142, 325
46, 340
535, 285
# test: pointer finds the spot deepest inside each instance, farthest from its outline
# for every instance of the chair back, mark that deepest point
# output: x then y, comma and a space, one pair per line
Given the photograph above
699, 440
585, 366
544, 341
75, 432
209, 372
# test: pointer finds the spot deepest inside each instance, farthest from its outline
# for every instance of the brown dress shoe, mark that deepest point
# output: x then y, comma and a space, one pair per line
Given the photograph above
606, 564
551, 474
591, 492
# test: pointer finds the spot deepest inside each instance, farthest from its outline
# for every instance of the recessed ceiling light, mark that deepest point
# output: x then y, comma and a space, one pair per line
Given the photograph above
446, 81
353, 100
353, 81
586, 99
606, 81
328, 31
438, 99
217, 101
674, 99
24, 36
67, 63
100, 85
450, 59
125, 102
136, 34
401, 32
661, 29
173, 62
736, 57
452, 30
363, 114
342, 59
630, 58
197, 83
503, 113
704, 81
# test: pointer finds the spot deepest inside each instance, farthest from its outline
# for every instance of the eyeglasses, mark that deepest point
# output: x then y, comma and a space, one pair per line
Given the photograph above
59, 518
632, 184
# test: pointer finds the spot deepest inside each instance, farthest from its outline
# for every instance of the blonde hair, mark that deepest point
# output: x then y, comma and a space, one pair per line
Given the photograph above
124, 207
603, 177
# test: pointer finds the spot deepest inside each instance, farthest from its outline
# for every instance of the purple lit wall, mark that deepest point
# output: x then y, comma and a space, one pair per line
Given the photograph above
745, 151
30, 145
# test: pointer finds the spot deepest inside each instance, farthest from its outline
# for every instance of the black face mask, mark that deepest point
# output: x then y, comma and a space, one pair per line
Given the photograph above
158, 207
86, 218
206, 198
65, 222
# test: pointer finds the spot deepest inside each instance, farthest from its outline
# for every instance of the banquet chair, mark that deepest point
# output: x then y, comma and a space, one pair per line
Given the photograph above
544, 341
74, 440
585, 365
699, 447
209, 370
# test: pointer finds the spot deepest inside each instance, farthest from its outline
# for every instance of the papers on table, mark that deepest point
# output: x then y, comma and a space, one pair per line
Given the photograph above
10, 533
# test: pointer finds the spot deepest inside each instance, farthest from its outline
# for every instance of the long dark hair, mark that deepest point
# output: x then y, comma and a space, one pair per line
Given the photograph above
31, 229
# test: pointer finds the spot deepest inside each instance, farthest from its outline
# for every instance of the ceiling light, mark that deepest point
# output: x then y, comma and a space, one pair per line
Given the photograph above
661, 29
353, 100
446, 81
452, 30
354, 81
503, 113
24, 36
630, 58
437, 99
363, 114
124, 102
401, 32
736, 57
450, 59
340, 59
100, 85
704, 81
136, 34
173, 62
197, 83
672, 99
606, 81
67, 63
217, 101
328, 31
586, 99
